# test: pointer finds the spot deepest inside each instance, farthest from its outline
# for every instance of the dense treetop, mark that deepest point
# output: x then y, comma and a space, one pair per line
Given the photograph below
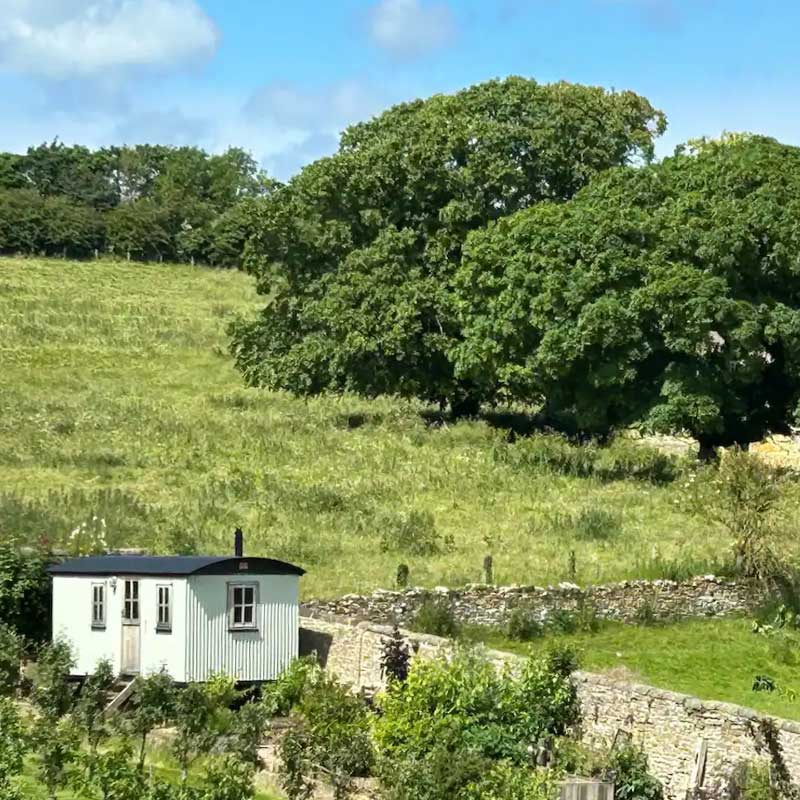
357, 252
667, 296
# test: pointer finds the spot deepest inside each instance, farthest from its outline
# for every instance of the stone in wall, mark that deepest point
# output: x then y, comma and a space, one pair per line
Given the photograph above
669, 726
705, 596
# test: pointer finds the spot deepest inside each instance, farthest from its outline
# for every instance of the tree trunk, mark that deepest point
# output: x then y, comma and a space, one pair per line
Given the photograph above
467, 405
707, 450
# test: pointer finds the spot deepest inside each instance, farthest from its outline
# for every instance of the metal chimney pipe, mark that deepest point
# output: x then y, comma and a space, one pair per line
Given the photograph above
238, 543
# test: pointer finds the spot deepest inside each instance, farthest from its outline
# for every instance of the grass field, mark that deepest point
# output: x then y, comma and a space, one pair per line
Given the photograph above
711, 659
118, 400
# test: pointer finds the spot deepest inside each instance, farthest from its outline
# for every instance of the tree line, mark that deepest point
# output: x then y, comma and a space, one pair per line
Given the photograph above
136, 202
519, 243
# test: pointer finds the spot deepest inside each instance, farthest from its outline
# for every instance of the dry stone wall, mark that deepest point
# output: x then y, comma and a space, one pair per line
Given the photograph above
672, 728
705, 596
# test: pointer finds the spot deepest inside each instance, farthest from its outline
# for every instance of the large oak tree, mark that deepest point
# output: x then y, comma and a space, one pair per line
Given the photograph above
666, 296
357, 253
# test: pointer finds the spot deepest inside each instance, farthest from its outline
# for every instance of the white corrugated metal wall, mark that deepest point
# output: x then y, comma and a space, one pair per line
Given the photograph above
258, 655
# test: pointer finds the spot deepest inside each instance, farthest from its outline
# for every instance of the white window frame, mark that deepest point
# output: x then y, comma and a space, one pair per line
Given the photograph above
242, 625
98, 603
164, 603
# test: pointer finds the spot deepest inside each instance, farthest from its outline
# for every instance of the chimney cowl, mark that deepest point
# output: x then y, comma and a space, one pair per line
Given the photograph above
238, 543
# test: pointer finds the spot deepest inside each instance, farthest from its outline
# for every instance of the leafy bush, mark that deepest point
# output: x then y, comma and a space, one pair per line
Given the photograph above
435, 617
10, 660
13, 745
395, 657
330, 739
413, 533
153, 704
52, 694
630, 771
25, 593
624, 459
446, 772
523, 626
620, 460
491, 714
506, 781
564, 621
597, 525
753, 781
281, 696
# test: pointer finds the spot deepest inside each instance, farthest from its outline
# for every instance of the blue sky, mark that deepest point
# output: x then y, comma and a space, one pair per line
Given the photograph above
283, 78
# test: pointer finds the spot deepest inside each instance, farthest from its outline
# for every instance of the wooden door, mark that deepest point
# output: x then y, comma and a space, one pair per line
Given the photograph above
131, 628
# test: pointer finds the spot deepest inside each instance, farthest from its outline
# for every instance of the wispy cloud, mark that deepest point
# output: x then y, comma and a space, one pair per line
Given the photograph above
66, 39
411, 28
655, 13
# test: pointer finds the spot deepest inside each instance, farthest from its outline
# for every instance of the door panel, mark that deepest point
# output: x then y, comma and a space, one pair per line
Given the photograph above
131, 629
130, 649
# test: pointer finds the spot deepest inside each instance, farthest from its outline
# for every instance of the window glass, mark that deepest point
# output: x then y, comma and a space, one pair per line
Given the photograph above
164, 596
130, 610
242, 600
98, 605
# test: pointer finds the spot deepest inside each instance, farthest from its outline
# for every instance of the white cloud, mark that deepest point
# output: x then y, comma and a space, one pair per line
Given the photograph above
63, 39
330, 108
411, 27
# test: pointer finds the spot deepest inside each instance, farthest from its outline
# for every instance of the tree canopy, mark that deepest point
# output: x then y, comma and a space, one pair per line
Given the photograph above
357, 253
666, 296
142, 201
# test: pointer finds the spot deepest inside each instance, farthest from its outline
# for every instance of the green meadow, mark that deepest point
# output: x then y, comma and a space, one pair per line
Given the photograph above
120, 410
711, 659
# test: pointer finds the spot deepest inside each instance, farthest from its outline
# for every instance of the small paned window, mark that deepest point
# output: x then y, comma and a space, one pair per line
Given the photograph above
98, 605
164, 595
242, 605
130, 608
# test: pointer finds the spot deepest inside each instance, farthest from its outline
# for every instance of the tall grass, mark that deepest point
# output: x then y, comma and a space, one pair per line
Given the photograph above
117, 399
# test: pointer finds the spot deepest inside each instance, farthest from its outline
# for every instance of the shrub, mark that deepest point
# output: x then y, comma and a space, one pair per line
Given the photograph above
597, 525
52, 694
646, 612
227, 778
435, 617
413, 533
523, 626
153, 704
624, 459
743, 494
280, 697
250, 723
491, 714
330, 740
10, 660
620, 460
753, 781
25, 593
632, 779
446, 772
90, 708
506, 781
395, 657
13, 745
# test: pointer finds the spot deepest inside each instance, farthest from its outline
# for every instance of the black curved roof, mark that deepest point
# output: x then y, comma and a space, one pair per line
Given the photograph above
174, 566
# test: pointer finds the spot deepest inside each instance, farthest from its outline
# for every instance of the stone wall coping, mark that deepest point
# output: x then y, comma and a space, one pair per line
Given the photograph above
514, 588
689, 702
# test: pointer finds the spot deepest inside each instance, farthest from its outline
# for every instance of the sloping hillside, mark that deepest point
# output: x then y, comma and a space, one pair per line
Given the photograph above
118, 401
